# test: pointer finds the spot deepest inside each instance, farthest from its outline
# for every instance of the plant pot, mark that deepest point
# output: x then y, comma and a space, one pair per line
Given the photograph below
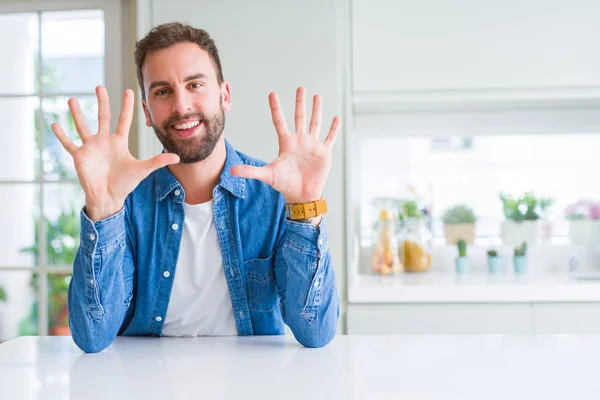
462, 265
455, 232
520, 263
60, 330
515, 233
584, 231
495, 265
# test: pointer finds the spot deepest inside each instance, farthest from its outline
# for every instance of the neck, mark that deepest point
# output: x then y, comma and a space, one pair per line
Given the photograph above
199, 179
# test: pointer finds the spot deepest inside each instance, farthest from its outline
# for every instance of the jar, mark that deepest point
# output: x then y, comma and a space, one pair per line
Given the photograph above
415, 253
385, 256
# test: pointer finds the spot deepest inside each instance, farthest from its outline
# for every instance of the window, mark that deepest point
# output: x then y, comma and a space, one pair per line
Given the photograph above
54, 54
564, 167
442, 154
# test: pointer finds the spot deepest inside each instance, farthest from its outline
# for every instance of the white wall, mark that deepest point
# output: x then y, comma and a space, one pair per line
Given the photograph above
475, 44
270, 46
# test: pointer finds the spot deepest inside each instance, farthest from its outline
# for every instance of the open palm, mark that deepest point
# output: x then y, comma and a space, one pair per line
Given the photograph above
301, 169
106, 169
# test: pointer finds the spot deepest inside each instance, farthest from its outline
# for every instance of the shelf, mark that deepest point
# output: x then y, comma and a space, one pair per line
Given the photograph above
476, 287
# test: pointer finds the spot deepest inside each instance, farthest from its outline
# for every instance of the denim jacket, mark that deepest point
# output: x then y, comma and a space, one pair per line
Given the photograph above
278, 271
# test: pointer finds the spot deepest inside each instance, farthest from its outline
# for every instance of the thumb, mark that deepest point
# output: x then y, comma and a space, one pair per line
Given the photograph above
159, 161
263, 174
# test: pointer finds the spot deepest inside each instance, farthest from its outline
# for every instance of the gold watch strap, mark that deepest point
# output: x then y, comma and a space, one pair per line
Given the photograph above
306, 210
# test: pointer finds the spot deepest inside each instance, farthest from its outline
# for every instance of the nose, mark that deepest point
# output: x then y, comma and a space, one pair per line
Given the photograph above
182, 102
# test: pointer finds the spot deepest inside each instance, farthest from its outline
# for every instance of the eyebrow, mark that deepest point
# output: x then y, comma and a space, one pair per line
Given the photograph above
186, 79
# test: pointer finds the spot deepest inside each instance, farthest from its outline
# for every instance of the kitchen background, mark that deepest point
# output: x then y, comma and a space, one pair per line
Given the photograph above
492, 106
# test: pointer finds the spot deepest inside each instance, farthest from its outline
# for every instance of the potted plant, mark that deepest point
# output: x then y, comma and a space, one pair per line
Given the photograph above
62, 241
459, 223
494, 262
584, 222
462, 261
522, 217
520, 258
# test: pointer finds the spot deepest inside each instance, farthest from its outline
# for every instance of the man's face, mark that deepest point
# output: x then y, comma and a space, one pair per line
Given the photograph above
184, 102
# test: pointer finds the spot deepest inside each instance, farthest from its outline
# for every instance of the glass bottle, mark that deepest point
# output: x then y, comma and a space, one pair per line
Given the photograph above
416, 249
385, 255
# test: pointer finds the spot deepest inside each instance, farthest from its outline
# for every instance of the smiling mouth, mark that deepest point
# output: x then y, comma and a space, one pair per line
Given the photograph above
187, 129
186, 125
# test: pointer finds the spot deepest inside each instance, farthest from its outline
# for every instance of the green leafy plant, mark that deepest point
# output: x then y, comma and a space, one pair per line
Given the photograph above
462, 248
521, 250
62, 238
2, 294
492, 253
525, 208
408, 209
459, 214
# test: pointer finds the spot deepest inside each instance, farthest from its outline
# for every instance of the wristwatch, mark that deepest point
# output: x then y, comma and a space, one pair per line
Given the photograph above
304, 211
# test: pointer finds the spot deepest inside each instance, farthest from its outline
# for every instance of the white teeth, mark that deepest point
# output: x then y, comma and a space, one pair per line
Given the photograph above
187, 125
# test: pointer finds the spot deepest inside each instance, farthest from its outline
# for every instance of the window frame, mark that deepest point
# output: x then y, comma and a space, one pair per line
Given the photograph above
114, 80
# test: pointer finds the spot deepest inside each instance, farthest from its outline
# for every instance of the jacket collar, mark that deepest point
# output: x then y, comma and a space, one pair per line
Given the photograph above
165, 182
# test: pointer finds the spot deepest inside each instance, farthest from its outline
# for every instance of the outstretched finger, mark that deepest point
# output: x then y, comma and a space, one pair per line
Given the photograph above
126, 114
333, 132
315, 119
263, 174
80, 124
63, 138
277, 115
103, 110
300, 113
159, 161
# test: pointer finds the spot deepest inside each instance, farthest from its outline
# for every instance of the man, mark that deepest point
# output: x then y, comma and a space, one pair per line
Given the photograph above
201, 239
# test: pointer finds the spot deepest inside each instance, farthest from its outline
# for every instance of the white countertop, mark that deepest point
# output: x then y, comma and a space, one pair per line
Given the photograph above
431, 287
351, 367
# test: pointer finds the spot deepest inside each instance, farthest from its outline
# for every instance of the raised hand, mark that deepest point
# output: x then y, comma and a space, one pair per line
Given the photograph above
105, 168
302, 167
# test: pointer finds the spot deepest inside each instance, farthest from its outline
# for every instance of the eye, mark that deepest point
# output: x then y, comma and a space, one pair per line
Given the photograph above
161, 92
196, 85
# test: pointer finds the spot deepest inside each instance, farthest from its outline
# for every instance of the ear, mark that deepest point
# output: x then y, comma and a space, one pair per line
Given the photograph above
225, 96
147, 114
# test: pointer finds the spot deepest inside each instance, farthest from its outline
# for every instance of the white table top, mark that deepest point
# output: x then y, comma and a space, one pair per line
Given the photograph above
432, 287
276, 367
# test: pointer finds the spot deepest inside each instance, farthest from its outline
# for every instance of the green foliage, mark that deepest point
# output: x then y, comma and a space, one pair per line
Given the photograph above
492, 253
521, 250
55, 159
459, 214
62, 238
408, 209
2, 294
526, 208
62, 234
462, 248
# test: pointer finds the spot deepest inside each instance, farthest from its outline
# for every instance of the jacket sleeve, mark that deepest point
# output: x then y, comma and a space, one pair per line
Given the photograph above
101, 288
306, 283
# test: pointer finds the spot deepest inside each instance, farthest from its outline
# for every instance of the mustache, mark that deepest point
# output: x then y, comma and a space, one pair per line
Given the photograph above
172, 120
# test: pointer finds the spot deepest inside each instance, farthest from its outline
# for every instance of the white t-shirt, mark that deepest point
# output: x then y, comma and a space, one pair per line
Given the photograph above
200, 304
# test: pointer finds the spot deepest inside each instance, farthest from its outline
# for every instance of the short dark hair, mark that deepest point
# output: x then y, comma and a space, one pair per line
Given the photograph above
172, 33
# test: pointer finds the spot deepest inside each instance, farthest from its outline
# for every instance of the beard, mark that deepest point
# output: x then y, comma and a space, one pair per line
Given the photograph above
195, 148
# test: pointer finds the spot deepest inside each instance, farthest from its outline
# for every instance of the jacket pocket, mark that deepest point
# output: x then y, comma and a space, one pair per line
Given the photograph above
260, 280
